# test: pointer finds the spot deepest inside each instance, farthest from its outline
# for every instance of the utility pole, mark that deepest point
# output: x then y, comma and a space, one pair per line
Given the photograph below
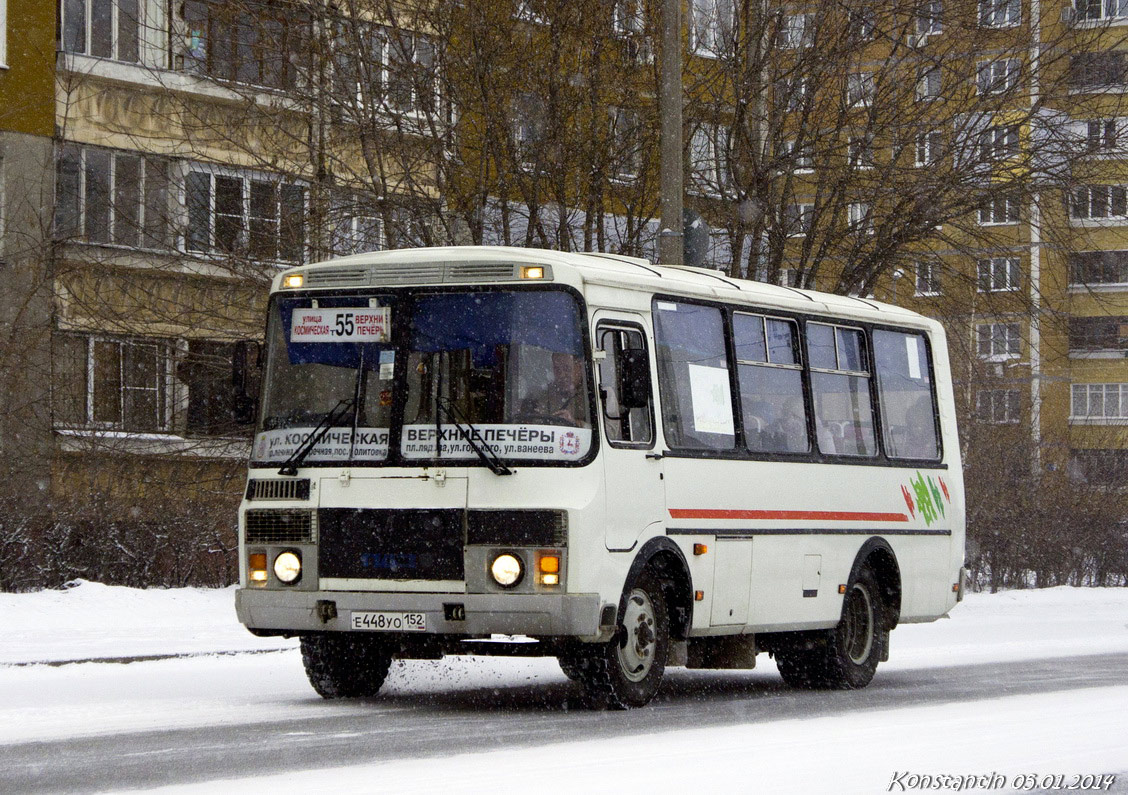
670, 239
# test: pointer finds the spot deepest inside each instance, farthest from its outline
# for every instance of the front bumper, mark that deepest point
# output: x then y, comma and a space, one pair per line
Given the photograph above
574, 615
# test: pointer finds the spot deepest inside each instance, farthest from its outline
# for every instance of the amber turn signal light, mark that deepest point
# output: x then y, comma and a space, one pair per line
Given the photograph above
256, 567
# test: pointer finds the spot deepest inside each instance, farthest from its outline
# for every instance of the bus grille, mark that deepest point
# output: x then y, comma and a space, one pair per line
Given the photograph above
280, 527
517, 528
278, 489
391, 544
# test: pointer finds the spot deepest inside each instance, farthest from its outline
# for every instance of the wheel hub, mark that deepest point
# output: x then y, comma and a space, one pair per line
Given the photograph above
637, 645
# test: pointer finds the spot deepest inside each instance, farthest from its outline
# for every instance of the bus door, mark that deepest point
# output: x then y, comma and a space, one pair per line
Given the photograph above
632, 471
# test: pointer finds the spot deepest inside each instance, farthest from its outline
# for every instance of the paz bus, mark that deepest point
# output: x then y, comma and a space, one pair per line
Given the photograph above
486, 450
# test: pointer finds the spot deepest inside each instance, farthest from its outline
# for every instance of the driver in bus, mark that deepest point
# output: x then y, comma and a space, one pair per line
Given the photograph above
563, 399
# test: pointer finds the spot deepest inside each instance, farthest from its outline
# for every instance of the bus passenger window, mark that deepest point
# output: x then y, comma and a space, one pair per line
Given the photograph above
693, 374
841, 387
625, 427
771, 385
904, 387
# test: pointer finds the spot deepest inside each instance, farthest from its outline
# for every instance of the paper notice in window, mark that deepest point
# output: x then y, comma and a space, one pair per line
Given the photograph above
712, 401
911, 344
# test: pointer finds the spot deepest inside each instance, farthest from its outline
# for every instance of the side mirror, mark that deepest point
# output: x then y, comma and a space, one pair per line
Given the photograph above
634, 379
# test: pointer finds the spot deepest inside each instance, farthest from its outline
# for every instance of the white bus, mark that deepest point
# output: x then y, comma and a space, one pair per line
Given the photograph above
627, 466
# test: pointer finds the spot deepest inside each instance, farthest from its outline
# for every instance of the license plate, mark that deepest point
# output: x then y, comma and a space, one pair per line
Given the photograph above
390, 622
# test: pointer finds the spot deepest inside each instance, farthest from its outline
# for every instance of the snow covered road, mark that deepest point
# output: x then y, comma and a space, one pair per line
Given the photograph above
1028, 682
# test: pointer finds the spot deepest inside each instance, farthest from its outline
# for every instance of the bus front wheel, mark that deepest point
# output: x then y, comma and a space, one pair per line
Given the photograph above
341, 665
846, 657
626, 671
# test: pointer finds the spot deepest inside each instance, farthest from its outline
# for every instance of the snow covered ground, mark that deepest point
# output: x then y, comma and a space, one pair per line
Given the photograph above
1076, 729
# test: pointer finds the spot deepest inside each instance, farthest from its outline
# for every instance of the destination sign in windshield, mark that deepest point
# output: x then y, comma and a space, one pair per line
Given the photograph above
346, 324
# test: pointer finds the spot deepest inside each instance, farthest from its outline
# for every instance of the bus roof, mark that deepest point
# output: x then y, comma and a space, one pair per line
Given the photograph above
478, 264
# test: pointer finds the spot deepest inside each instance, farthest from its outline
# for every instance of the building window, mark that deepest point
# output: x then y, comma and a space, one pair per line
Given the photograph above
862, 25
998, 142
928, 83
628, 24
106, 196
1098, 267
929, 18
411, 80
792, 93
356, 225
1100, 136
998, 210
997, 77
531, 11
1099, 402
1098, 69
102, 28
860, 89
927, 277
998, 341
798, 219
999, 13
860, 218
1098, 334
997, 274
928, 147
708, 159
997, 406
1099, 467
796, 159
114, 383
256, 44
711, 25
529, 114
796, 31
1099, 201
1101, 9
258, 217
626, 154
627, 18
860, 151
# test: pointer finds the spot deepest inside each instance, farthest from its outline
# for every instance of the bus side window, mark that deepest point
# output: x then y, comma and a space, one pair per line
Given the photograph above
840, 383
693, 373
904, 388
625, 427
771, 384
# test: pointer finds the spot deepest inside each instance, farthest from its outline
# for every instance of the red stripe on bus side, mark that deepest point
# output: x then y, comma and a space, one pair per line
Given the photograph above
826, 516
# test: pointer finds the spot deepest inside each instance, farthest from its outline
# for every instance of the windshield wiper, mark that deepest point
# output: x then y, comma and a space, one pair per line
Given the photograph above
473, 438
291, 464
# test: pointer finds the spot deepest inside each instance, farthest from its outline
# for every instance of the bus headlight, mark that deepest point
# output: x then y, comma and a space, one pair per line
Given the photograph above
288, 567
506, 570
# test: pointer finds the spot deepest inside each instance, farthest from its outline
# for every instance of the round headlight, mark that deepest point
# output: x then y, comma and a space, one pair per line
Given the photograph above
506, 570
288, 567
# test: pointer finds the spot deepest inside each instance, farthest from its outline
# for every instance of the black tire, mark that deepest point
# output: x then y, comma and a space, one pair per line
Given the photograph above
342, 665
626, 671
846, 657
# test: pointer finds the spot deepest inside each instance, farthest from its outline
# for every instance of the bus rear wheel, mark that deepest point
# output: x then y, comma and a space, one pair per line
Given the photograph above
626, 671
846, 657
341, 665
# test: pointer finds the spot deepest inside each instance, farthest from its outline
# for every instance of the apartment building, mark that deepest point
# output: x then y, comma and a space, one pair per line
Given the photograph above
961, 158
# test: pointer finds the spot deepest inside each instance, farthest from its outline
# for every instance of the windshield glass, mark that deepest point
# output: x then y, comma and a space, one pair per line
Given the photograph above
508, 366
321, 353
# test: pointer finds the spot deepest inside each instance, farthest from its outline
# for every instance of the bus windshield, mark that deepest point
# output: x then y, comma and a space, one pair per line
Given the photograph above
428, 369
